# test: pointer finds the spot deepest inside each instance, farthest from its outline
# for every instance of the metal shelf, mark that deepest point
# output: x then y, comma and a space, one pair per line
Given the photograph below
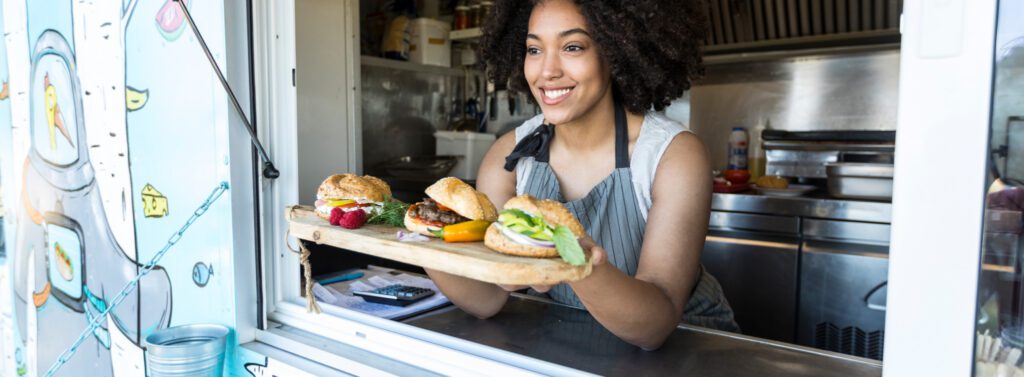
466, 35
370, 61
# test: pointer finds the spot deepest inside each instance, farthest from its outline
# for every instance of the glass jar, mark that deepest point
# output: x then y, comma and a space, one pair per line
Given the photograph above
461, 18
486, 7
475, 15
485, 12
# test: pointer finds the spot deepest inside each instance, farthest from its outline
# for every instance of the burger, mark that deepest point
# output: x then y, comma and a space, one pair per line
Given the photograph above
530, 227
351, 192
451, 201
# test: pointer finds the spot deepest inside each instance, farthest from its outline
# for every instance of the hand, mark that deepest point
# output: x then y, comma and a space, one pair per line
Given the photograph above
597, 257
597, 254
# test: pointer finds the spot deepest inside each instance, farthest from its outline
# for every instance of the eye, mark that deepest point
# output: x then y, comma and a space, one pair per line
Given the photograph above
573, 48
532, 51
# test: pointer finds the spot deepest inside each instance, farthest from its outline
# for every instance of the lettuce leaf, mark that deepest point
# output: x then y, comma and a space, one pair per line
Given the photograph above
522, 223
513, 213
569, 246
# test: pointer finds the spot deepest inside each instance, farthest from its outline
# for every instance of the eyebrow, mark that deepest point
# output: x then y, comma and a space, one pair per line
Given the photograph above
563, 34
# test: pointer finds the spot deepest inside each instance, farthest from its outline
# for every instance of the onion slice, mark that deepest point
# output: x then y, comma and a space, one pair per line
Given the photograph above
522, 238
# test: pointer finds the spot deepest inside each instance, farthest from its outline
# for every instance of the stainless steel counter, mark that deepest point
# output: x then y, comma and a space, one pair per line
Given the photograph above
835, 209
571, 337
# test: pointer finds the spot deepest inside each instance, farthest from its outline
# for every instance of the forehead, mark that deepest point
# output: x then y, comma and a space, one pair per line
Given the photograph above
550, 17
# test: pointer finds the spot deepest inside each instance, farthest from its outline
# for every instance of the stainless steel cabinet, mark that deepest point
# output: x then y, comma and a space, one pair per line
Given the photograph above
754, 257
842, 297
811, 271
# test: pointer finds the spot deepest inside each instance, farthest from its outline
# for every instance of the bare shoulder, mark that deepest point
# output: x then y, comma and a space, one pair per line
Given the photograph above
685, 161
494, 160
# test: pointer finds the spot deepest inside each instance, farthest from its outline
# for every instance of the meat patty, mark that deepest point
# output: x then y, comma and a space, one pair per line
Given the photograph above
430, 212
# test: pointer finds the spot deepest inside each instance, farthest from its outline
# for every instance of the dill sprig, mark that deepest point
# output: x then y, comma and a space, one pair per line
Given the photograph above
392, 212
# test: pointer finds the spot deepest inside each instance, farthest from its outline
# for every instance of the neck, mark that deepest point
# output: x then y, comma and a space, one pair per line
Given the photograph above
593, 129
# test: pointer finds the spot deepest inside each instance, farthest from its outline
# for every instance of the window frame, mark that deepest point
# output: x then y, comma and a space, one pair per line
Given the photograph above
925, 293
274, 52
944, 104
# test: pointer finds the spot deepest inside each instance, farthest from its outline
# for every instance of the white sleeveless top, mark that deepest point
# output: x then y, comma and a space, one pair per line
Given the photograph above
656, 133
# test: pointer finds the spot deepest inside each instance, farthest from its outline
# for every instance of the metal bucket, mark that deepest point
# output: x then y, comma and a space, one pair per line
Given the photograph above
189, 350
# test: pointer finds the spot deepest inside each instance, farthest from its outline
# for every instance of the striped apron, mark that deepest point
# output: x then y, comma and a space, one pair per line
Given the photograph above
611, 215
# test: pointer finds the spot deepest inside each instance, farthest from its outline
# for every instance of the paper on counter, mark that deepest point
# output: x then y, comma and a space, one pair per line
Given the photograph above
360, 286
324, 294
349, 301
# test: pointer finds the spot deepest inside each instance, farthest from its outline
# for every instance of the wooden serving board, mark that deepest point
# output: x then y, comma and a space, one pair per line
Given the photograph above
468, 259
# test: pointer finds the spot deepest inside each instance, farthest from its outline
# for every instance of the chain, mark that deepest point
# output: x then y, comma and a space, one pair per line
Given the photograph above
128, 288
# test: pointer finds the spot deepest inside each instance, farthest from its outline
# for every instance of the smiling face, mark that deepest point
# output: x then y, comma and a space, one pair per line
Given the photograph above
563, 64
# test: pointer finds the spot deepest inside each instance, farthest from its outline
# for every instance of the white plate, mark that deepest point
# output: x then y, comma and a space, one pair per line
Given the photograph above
792, 190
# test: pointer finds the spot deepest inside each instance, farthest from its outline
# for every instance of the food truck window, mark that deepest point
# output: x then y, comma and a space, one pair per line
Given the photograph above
1000, 313
376, 110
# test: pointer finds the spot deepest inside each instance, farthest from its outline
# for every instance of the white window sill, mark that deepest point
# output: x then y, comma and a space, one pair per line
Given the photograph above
399, 345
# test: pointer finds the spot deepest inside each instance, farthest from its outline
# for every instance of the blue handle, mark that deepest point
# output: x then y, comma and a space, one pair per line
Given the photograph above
352, 276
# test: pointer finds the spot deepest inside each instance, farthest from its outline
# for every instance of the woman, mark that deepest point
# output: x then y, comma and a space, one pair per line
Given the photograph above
636, 180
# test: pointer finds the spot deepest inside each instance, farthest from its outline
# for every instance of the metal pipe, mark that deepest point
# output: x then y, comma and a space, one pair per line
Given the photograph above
269, 171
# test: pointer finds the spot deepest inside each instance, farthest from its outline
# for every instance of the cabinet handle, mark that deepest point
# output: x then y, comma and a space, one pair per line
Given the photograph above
752, 242
867, 297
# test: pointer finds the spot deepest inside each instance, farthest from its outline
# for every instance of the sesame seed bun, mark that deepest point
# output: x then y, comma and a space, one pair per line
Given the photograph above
351, 186
463, 199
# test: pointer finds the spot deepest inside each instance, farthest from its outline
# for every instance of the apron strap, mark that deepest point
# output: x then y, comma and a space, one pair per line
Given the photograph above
621, 138
538, 143
533, 145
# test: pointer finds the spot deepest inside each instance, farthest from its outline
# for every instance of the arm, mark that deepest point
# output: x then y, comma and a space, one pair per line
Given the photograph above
481, 299
644, 310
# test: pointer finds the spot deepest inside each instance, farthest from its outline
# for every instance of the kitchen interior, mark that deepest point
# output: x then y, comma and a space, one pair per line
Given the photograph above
802, 90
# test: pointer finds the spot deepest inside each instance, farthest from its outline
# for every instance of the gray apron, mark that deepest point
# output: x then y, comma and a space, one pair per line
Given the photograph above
611, 215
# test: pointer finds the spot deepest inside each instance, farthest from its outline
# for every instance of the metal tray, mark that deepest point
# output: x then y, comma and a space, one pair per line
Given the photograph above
412, 167
860, 181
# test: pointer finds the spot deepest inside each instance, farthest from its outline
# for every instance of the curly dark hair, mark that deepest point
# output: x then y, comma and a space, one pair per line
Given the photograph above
656, 53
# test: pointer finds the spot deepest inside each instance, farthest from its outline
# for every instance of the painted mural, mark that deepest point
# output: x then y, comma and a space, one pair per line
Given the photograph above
113, 129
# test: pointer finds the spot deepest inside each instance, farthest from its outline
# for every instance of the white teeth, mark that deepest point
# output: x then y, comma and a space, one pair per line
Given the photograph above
556, 93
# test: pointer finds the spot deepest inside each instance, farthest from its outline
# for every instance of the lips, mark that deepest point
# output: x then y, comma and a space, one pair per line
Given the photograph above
552, 96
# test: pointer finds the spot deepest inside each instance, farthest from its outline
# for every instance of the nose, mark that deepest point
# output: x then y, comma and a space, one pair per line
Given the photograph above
552, 68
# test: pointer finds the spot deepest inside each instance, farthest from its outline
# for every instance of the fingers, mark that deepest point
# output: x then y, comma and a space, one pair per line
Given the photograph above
598, 256
541, 288
586, 242
597, 253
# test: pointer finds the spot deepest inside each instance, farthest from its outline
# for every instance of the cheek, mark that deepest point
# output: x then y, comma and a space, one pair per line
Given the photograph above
587, 71
531, 70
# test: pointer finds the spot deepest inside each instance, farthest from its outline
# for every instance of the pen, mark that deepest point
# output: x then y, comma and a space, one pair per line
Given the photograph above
347, 277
